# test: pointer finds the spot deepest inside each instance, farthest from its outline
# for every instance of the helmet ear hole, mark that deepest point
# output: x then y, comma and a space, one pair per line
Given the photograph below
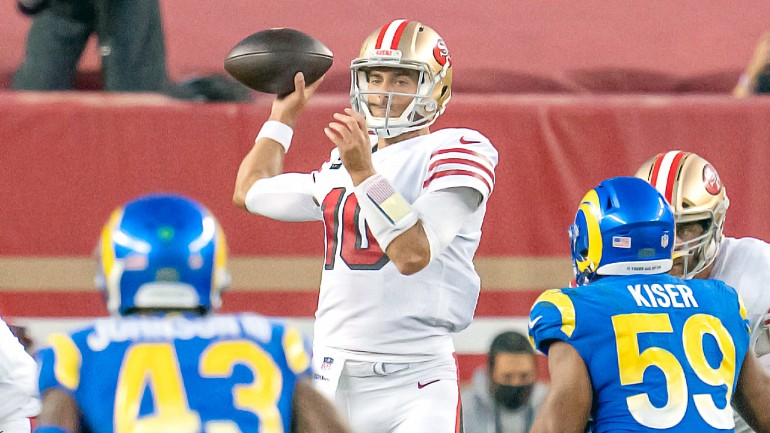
425, 107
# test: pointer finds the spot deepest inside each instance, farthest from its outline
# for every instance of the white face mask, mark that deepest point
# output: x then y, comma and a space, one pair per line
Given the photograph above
420, 113
694, 255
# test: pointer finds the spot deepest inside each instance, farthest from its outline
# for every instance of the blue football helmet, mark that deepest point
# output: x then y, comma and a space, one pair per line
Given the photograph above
622, 227
162, 252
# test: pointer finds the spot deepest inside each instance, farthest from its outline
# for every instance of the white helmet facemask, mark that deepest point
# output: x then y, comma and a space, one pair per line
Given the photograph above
420, 113
699, 253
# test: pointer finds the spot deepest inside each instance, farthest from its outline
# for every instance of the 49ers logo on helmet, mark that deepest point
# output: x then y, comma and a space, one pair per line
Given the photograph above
441, 53
711, 180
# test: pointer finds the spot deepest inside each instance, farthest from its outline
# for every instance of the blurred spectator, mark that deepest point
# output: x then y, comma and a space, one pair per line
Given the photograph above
131, 44
504, 397
756, 78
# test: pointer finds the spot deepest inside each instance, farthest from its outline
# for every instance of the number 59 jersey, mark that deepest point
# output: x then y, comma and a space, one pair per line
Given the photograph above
664, 354
179, 374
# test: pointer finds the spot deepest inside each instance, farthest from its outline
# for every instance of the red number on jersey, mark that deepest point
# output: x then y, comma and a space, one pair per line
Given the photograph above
353, 253
331, 210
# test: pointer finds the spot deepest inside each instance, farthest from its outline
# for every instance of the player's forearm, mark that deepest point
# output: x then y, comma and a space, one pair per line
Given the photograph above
568, 403
59, 409
428, 226
410, 251
555, 423
750, 400
313, 413
264, 160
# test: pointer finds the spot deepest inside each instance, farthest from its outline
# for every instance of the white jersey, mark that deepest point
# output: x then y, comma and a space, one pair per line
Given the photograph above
366, 308
18, 384
744, 264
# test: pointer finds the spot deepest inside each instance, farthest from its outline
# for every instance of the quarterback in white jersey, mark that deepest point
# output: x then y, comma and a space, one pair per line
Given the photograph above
699, 200
402, 209
367, 307
18, 384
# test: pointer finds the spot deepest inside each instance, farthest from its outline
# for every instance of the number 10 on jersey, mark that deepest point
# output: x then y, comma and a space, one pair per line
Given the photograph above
359, 251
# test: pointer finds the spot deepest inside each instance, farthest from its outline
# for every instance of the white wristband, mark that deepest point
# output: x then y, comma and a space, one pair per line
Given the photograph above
387, 212
278, 132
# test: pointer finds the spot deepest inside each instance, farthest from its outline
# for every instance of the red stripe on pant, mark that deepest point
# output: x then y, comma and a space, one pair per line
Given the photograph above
459, 414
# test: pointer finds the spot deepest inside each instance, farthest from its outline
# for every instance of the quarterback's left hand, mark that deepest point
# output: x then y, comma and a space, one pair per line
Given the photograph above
350, 135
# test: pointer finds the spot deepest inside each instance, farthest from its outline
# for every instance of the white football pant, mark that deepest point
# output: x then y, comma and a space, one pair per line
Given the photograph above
417, 397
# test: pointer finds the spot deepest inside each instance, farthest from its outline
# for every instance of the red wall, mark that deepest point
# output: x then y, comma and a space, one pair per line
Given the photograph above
495, 43
67, 160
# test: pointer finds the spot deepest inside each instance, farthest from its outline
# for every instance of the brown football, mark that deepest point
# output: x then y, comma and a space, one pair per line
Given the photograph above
268, 60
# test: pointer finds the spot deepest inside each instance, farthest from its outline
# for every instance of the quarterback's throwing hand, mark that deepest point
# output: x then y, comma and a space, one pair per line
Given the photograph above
349, 134
287, 108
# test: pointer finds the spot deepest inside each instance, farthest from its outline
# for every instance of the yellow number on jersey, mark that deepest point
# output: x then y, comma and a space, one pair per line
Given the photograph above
261, 396
632, 364
694, 330
155, 365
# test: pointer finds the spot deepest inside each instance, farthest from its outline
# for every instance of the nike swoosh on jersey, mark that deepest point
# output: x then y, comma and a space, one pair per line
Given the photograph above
464, 141
532, 323
423, 385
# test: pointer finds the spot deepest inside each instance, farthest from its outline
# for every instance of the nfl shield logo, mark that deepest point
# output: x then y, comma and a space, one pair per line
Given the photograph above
327, 364
664, 241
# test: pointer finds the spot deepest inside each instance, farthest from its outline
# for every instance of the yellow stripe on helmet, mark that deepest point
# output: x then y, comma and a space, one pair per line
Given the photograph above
591, 211
107, 247
220, 258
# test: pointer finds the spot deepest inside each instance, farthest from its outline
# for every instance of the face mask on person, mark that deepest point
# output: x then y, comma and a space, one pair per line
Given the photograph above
512, 397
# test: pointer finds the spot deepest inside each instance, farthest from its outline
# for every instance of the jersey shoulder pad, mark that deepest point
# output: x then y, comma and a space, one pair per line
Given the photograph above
296, 350
60, 361
727, 300
758, 250
736, 305
285, 343
461, 157
743, 253
552, 317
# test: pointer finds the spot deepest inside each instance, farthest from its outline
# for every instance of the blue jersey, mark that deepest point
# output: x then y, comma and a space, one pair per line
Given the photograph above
179, 374
663, 353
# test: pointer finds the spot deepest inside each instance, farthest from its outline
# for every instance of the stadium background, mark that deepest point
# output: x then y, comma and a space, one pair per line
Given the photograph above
569, 92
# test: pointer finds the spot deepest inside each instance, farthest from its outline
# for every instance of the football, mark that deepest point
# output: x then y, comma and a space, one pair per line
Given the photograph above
268, 60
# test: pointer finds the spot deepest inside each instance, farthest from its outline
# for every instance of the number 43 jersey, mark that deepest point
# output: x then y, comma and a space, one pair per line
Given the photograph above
663, 353
366, 307
179, 374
